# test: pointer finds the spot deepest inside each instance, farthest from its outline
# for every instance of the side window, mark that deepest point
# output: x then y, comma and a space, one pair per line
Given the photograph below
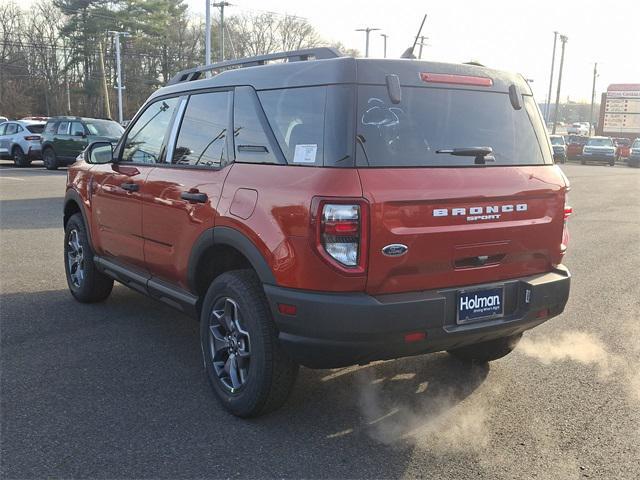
63, 128
19, 128
3, 126
77, 128
203, 133
145, 139
11, 129
296, 116
50, 127
251, 143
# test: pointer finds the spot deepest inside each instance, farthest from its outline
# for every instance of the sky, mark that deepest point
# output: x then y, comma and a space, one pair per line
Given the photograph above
508, 35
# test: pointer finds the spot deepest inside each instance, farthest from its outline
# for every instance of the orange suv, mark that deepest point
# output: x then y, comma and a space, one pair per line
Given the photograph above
320, 210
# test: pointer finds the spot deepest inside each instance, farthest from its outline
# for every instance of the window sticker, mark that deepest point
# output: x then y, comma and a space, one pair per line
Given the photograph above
305, 153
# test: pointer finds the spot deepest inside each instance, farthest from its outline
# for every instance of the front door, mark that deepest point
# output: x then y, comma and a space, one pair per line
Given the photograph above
180, 199
117, 188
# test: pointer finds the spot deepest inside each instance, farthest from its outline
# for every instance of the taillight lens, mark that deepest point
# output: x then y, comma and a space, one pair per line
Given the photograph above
568, 210
32, 137
341, 233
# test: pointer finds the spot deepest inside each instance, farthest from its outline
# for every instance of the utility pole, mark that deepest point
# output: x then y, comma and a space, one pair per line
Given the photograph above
120, 87
563, 39
547, 109
384, 36
422, 44
367, 31
105, 91
593, 95
221, 6
207, 33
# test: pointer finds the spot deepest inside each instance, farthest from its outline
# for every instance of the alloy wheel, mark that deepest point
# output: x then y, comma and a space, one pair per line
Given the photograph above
229, 345
75, 258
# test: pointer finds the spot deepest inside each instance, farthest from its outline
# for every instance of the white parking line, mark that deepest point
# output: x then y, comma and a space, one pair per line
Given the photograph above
12, 178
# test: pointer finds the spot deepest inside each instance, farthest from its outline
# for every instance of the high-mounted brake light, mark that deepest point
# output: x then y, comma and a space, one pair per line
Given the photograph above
457, 79
340, 232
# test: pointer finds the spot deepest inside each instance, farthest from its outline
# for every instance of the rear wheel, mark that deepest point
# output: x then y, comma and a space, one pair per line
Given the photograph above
49, 159
85, 282
248, 370
487, 351
19, 158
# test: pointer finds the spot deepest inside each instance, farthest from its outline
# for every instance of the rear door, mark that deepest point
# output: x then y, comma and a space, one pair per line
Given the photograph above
77, 139
61, 139
4, 140
463, 222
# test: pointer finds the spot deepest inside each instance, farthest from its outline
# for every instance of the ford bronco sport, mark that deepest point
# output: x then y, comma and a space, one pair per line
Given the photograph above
327, 211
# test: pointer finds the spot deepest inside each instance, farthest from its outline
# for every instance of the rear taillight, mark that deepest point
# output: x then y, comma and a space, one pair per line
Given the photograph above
32, 137
568, 210
340, 231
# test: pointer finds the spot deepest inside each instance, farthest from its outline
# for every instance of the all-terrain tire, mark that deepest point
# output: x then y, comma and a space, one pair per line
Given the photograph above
49, 159
487, 351
270, 374
19, 158
86, 283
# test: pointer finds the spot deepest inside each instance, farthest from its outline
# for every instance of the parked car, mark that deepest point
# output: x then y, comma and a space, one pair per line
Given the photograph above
20, 141
575, 144
623, 147
436, 221
65, 137
578, 128
3, 119
634, 154
559, 148
599, 149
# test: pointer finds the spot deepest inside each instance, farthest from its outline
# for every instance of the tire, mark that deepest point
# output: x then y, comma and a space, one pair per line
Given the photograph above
612, 163
583, 162
49, 159
19, 158
85, 282
237, 330
487, 351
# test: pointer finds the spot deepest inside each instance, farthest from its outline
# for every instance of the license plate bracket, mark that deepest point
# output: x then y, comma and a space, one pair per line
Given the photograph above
479, 304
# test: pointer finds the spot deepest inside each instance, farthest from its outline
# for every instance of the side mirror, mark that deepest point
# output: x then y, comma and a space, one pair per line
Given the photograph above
78, 133
99, 153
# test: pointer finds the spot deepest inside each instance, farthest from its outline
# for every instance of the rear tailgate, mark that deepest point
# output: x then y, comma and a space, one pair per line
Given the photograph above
462, 226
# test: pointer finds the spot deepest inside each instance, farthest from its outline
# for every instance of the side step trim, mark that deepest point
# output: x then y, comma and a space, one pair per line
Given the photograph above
142, 282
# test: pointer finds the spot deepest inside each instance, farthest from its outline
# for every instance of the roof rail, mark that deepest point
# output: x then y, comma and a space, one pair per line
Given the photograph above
196, 73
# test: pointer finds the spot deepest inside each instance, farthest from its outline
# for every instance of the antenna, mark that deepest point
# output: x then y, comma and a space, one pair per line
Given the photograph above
408, 53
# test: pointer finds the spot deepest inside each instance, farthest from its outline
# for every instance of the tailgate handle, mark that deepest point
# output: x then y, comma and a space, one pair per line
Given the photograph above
479, 261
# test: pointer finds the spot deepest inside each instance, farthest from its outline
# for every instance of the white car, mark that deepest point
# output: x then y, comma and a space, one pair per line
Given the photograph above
578, 128
20, 141
599, 149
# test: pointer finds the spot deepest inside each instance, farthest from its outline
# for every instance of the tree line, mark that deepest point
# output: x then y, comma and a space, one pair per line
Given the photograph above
57, 55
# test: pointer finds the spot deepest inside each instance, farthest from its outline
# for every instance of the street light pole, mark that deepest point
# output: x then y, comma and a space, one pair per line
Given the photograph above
563, 39
207, 33
367, 31
593, 95
120, 87
384, 36
422, 44
547, 109
221, 6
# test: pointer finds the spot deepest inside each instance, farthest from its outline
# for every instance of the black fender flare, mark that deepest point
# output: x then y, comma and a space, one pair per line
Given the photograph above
73, 196
233, 238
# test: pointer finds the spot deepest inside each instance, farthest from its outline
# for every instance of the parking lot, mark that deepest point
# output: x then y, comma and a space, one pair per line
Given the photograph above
117, 390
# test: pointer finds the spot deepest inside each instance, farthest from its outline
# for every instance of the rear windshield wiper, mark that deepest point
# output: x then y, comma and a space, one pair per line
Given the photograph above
482, 154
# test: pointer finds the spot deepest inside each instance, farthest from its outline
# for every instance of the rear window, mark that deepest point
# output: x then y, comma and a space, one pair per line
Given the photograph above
35, 128
410, 133
557, 141
104, 128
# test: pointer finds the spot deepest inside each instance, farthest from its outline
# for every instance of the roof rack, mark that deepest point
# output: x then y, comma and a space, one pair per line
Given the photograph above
196, 73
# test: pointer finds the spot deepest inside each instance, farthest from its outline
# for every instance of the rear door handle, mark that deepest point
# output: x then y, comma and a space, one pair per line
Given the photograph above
130, 187
195, 197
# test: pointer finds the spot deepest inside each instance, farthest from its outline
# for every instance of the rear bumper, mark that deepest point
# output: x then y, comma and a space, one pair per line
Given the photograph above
333, 330
597, 157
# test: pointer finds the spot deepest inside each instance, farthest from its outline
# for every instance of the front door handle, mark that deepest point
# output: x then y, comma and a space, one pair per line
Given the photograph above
196, 197
130, 187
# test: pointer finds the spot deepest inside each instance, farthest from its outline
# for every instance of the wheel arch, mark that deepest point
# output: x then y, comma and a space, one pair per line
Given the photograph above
221, 249
73, 204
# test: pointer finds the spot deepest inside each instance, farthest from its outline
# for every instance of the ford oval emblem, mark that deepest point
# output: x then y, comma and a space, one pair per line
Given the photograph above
395, 250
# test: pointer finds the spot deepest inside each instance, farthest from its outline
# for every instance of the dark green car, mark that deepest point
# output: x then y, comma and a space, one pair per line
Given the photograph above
65, 137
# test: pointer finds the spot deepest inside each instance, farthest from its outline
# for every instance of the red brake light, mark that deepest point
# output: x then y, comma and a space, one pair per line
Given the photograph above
414, 337
287, 309
458, 79
32, 137
339, 230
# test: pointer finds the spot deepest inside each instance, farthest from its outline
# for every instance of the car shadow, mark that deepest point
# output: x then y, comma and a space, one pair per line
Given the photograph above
117, 389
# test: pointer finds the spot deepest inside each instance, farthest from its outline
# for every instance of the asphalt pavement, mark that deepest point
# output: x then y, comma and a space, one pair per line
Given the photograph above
117, 390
